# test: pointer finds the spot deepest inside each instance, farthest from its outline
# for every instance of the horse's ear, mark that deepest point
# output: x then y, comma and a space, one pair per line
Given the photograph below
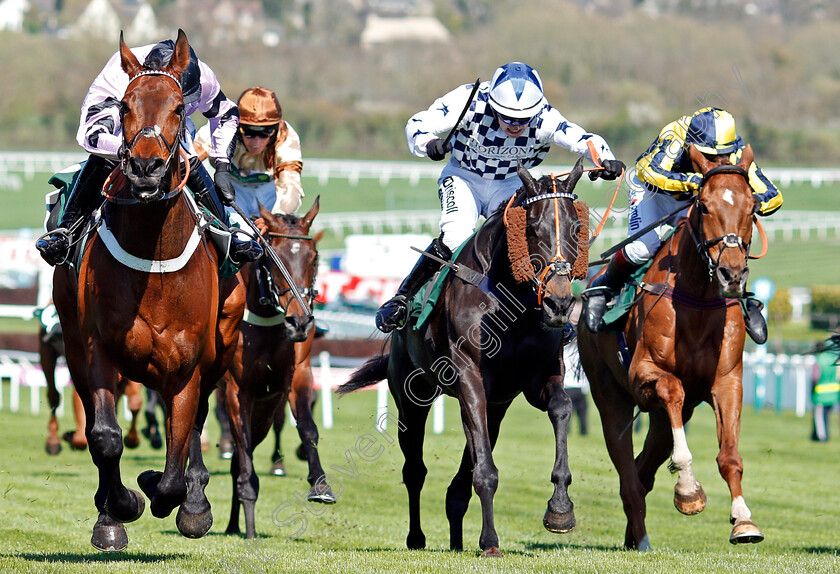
318, 236
747, 157
313, 211
266, 214
570, 182
698, 160
180, 59
528, 180
130, 64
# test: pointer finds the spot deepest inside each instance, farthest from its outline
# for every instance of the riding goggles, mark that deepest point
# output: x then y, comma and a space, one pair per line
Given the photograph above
251, 132
516, 122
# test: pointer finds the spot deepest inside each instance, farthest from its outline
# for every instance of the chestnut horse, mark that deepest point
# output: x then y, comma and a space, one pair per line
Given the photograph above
685, 334
147, 303
488, 339
271, 365
50, 349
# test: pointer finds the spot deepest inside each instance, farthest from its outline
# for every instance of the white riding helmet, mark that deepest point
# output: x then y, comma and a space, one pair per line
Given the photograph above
516, 91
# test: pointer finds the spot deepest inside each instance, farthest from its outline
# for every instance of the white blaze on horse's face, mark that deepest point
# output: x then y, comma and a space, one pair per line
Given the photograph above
295, 248
727, 197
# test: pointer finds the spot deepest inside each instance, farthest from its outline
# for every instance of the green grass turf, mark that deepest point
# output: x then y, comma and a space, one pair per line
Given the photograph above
790, 484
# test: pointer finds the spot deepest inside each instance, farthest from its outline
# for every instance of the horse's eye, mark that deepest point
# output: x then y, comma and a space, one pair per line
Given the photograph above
180, 109
123, 108
529, 232
703, 209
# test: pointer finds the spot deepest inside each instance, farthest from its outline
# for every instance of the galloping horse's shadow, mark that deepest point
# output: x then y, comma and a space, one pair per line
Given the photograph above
490, 338
147, 302
685, 334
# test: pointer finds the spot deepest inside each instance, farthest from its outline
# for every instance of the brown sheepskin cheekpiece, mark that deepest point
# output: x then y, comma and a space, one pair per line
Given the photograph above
581, 264
520, 260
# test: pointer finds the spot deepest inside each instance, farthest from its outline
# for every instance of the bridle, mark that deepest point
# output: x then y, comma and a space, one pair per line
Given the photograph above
558, 265
728, 240
308, 292
153, 132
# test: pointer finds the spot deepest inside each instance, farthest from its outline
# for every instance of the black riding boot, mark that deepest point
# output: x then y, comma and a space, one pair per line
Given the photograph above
604, 288
754, 321
201, 184
394, 313
83, 198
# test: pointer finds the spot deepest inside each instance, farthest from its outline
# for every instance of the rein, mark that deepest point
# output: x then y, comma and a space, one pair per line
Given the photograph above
309, 293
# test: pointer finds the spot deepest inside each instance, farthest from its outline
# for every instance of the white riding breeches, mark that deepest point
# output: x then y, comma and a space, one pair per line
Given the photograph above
646, 207
464, 196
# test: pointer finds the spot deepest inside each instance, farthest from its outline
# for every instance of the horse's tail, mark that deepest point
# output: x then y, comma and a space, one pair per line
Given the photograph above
373, 371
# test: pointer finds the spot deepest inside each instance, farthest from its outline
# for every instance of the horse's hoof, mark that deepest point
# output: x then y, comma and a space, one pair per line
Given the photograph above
226, 449
194, 525
492, 552
131, 441
644, 545
139, 505
415, 541
278, 469
53, 447
108, 535
559, 523
690, 504
157, 441
321, 493
148, 481
75, 444
233, 529
745, 532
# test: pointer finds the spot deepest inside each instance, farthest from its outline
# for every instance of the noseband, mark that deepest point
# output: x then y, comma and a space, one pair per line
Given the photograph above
558, 264
154, 132
728, 239
309, 292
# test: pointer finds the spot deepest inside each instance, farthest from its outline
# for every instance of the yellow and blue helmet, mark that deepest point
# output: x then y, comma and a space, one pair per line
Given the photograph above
712, 131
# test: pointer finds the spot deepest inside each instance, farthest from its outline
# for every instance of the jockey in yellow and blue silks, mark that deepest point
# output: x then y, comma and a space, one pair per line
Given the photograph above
664, 180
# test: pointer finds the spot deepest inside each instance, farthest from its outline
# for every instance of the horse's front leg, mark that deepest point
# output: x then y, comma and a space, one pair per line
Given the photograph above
559, 515
105, 439
194, 516
485, 477
167, 490
689, 497
300, 400
48, 361
135, 403
240, 401
726, 400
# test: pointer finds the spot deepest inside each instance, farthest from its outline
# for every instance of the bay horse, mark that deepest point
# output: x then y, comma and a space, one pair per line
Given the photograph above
685, 336
271, 365
50, 348
147, 303
488, 339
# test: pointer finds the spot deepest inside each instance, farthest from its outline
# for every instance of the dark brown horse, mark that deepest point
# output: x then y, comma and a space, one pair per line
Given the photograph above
488, 340
50, 349
272, 364
147, 303
685, 334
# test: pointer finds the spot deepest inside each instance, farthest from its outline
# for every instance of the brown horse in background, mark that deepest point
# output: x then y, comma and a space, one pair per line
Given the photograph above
271, 365
685, 334
50, 348
147, 303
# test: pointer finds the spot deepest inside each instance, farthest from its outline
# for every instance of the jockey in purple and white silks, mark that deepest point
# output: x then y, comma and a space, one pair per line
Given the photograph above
508, 120
100, 134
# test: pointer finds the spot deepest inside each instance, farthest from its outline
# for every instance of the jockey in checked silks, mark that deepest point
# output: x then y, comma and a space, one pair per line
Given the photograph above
504, 121
100, 134
664, 180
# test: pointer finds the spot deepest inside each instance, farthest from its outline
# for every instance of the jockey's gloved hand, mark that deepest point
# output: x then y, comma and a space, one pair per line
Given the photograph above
612, 169
224, 183
437, 150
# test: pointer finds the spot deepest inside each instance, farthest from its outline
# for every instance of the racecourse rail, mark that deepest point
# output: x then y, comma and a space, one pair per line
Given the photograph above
773, 381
